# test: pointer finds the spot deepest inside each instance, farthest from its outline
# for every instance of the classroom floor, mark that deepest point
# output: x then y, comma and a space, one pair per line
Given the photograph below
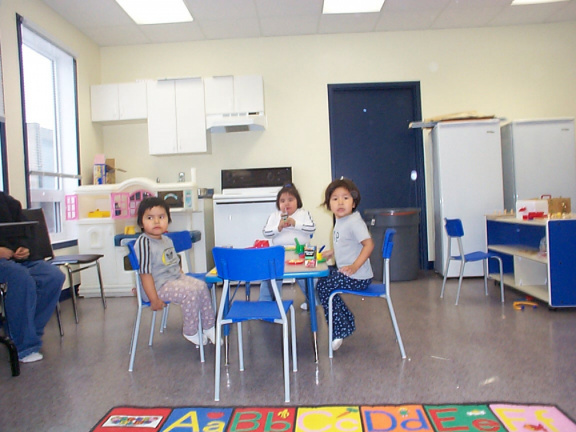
479, 351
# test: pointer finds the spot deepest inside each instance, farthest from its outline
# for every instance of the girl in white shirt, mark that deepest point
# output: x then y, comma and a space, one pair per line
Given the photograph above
289, 221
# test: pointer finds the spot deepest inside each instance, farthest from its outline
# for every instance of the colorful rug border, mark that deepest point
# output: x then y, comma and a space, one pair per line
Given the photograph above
473, 417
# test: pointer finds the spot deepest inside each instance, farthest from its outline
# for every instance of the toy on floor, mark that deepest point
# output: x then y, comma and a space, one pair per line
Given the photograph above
520, 305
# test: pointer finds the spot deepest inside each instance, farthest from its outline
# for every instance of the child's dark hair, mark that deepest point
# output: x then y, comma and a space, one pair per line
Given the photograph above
291, 190
148, 203
346, 184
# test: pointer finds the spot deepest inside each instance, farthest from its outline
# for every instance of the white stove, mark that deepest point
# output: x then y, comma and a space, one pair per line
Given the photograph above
248, 197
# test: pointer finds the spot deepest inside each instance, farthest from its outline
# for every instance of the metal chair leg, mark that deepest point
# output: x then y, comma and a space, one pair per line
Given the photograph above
101, 285
59, 319
72, 291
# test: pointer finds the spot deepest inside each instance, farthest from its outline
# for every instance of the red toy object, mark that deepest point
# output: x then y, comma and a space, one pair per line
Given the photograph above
534, 215
261, 244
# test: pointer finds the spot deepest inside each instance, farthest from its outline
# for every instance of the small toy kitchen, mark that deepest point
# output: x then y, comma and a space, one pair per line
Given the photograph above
106, 216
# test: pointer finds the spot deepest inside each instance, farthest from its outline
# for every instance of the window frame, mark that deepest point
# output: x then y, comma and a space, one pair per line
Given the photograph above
68, 229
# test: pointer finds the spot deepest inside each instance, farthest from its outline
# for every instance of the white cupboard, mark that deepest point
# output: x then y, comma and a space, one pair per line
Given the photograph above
538, 158
240, 94
176, 116
118, 102
467, 172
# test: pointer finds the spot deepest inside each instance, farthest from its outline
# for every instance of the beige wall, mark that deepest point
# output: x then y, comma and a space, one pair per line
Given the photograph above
516, 72
88, 62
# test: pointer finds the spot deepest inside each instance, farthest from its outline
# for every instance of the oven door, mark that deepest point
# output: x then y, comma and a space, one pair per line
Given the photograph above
238, 222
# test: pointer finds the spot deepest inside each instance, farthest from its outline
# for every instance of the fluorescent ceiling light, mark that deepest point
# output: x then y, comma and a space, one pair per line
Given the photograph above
156, 11
529, 2
351, 6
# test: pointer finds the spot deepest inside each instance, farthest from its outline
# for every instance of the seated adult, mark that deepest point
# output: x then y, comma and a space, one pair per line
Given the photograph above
34, 286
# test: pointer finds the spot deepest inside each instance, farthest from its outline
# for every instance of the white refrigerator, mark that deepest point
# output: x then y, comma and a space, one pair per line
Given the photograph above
467, 173
538, 158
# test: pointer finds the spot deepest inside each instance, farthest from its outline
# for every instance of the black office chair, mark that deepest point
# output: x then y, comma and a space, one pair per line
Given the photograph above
43, 249
5, 340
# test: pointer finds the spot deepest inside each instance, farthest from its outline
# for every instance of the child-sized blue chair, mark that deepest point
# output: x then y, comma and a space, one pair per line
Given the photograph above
253, 265
455, 231
182, 244
381, 290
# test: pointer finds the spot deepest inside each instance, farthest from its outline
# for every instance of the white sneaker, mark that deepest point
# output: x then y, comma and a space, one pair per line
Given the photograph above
195, 339
304, 306
211, 335
336, 343
31, 358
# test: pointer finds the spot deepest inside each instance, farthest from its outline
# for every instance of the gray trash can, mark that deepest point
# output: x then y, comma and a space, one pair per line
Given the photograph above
404, 263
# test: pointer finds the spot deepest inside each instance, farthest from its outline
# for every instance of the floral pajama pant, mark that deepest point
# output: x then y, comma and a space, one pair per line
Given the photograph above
342, 318
193, 296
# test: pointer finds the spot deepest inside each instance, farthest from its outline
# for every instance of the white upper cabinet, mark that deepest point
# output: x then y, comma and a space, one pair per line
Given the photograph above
118, 102
176, 116
241, 94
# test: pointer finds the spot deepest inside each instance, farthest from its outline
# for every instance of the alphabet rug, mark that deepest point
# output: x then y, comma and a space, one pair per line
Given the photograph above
493, 417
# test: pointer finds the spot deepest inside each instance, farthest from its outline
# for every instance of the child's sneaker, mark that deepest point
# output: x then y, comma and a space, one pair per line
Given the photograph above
195, 339
211, 335
336, 343
304, 306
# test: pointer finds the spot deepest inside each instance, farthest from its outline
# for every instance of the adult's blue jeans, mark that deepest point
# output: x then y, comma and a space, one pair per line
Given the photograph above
34, 289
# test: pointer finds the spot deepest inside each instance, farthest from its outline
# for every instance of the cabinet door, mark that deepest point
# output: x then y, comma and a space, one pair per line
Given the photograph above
248, 94
162, 136
219, 92
190, 115
104, 102
132, 103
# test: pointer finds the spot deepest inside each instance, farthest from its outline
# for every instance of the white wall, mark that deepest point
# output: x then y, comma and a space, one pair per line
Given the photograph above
515, 72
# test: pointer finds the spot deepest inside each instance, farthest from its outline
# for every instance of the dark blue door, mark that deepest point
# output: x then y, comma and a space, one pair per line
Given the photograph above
371, 144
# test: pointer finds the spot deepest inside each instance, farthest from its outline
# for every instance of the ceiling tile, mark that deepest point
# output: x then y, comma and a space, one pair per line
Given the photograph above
107, 24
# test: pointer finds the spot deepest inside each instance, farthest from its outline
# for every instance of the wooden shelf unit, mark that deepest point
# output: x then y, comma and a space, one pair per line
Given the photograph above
548, 276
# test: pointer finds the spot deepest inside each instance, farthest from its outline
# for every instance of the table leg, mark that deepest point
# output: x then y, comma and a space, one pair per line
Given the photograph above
312, 309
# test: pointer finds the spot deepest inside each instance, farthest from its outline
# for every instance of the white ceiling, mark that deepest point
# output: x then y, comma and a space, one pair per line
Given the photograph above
107, 24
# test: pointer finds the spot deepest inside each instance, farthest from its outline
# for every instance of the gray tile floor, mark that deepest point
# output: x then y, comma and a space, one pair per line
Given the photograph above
478, 351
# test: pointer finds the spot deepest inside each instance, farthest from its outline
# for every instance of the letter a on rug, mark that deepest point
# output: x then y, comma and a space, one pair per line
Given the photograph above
492, 417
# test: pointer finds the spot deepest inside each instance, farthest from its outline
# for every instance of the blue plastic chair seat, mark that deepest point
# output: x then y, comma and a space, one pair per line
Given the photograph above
374, 290
261, 310
182, 243
455, 232
253, 265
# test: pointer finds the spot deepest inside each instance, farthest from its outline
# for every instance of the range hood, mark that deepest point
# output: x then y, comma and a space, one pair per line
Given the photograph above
241, 122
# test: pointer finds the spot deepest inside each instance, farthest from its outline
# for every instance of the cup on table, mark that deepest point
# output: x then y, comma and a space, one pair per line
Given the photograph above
299, 249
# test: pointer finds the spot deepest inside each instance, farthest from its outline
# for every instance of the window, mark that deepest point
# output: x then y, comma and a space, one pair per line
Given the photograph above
50, 127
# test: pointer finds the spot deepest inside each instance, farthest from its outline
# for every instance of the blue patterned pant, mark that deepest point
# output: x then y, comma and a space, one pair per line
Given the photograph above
343, 319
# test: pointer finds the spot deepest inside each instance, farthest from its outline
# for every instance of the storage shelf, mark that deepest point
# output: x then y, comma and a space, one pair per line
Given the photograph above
537, 291
548, 277
521, 251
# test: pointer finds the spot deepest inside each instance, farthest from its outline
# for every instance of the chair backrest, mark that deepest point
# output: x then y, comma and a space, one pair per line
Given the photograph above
182, 242
249, 264
132, 255
135, 264
388, 243
454, 227
40, 243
